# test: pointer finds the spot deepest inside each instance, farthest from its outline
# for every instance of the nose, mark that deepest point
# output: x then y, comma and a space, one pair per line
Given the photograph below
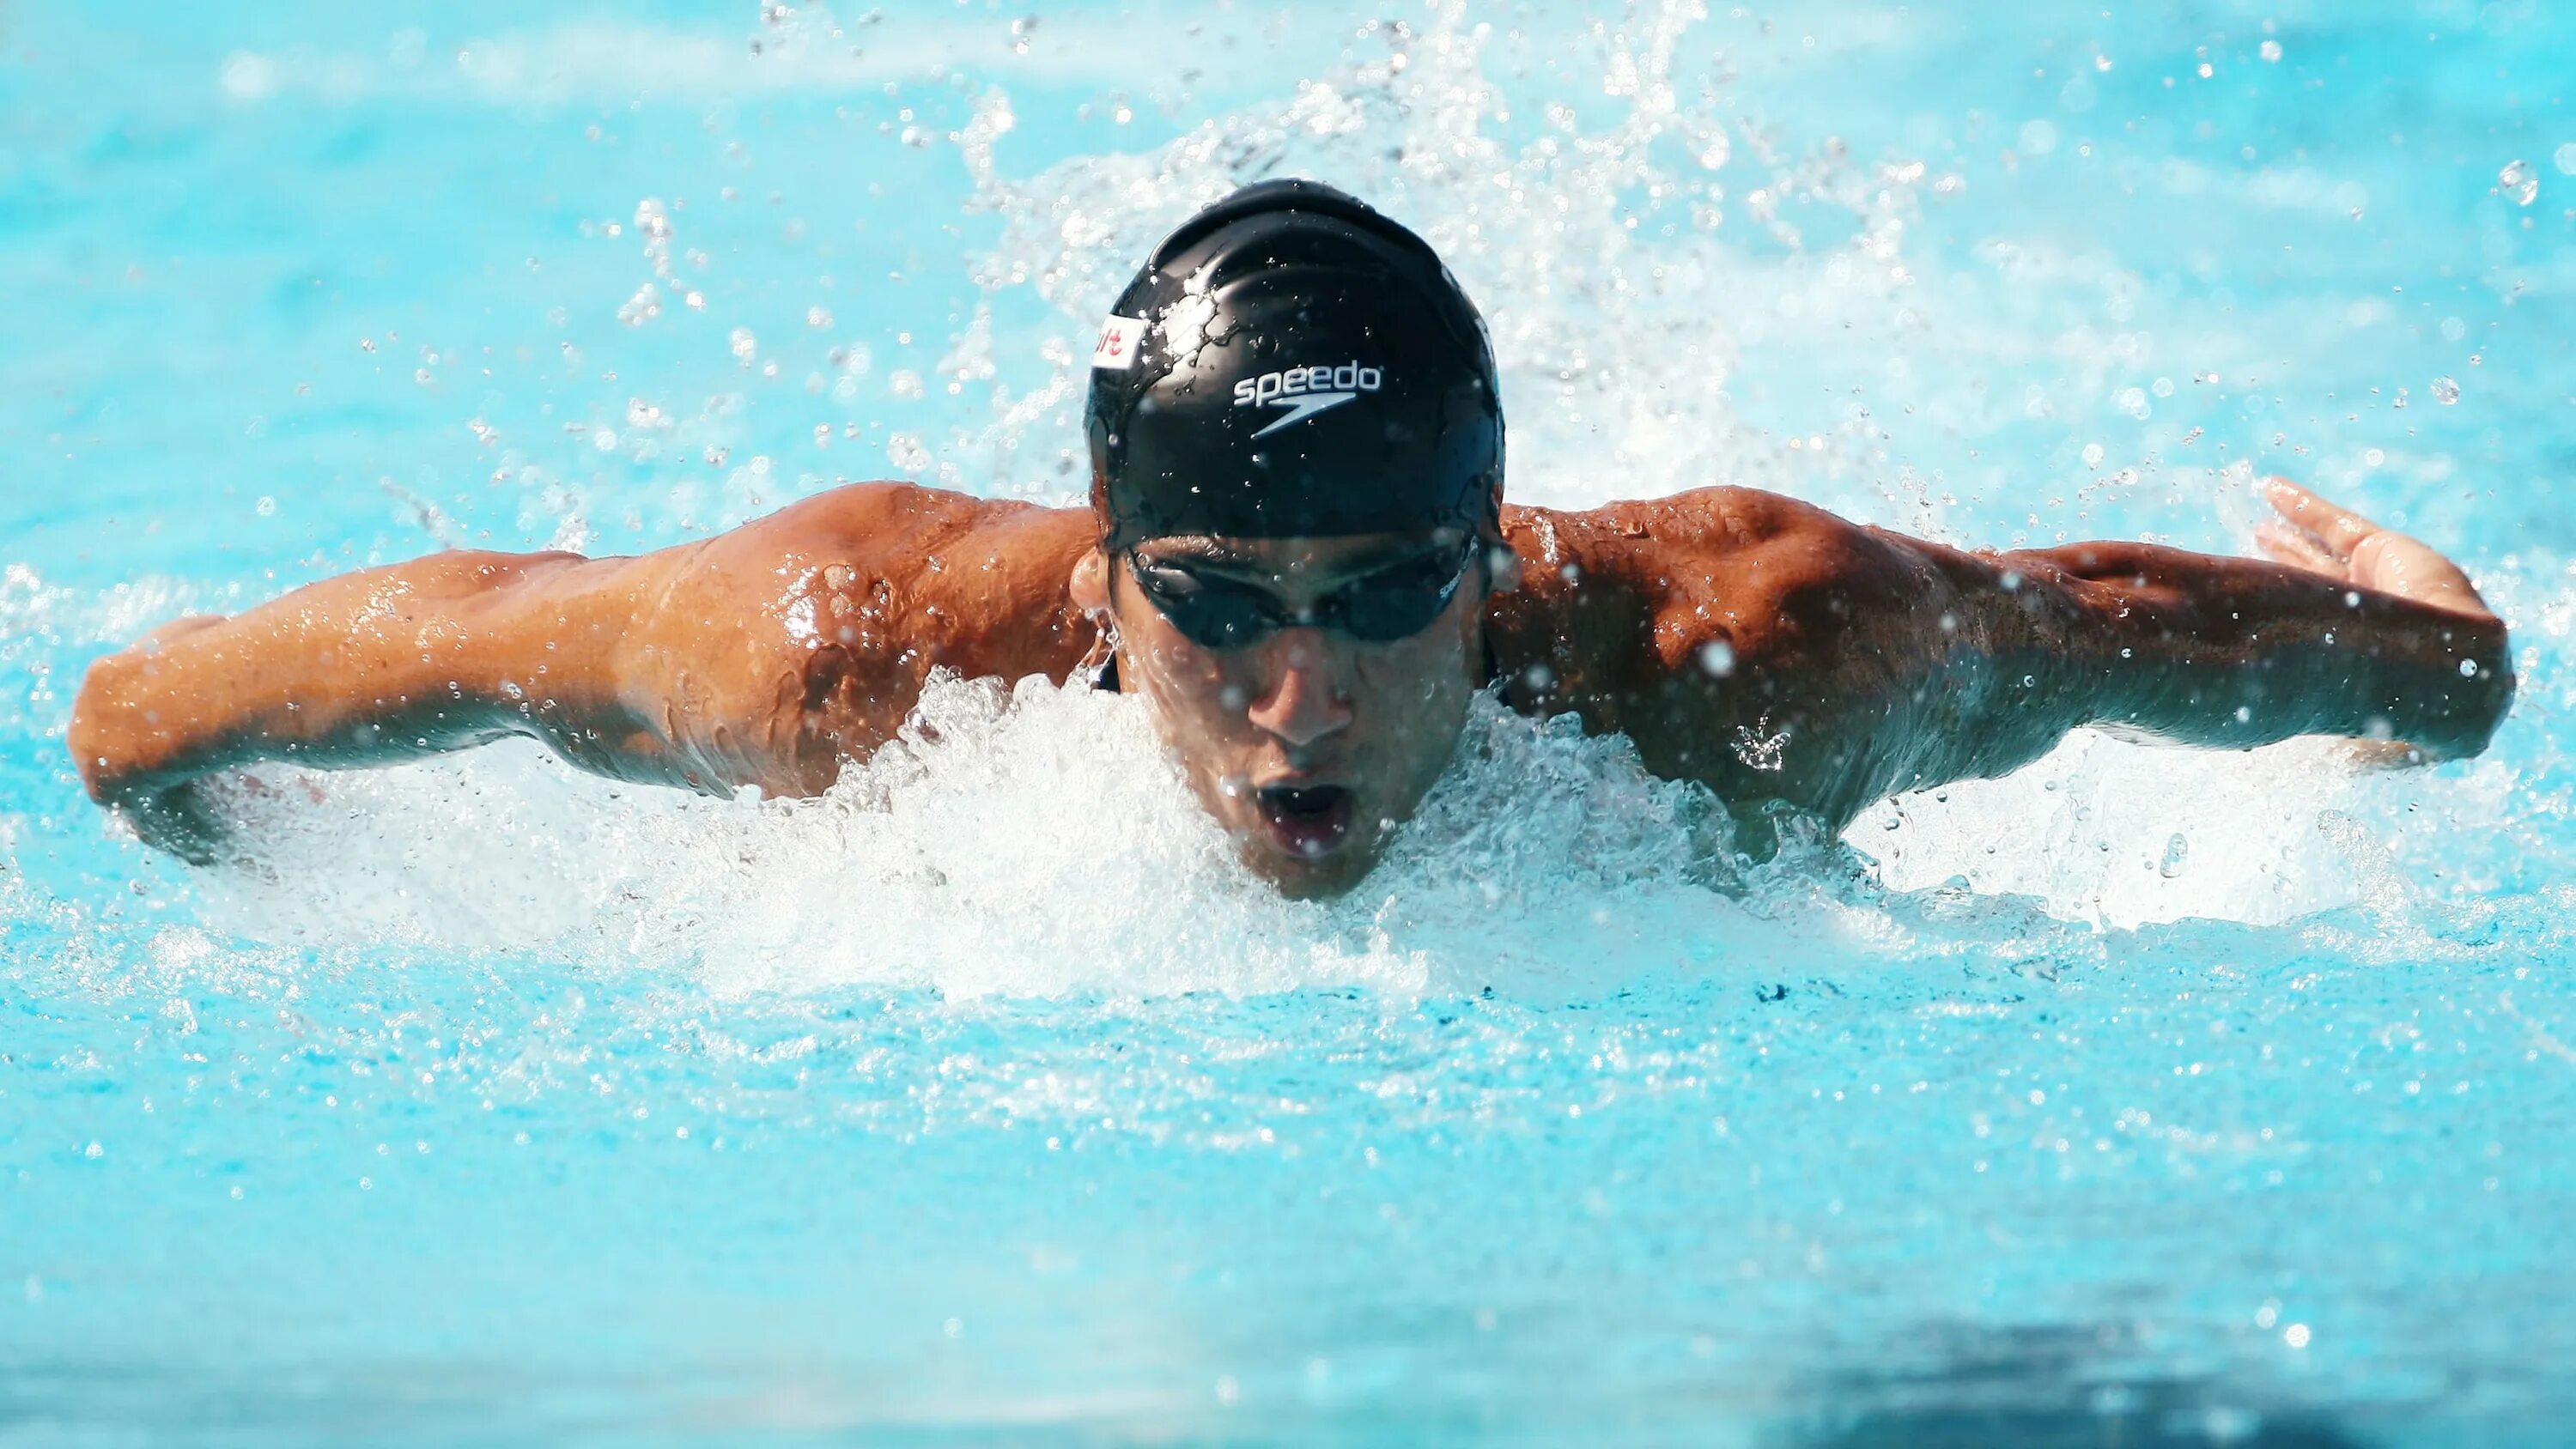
1304, 702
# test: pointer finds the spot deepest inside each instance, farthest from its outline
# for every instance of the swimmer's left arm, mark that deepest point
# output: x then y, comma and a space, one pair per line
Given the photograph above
1783, 654
2356, 631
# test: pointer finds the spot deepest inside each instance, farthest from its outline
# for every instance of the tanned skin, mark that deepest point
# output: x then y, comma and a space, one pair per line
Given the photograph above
1764, 647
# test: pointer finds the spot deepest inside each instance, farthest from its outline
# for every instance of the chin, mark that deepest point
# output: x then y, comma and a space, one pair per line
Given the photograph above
1311, 880
1305, 872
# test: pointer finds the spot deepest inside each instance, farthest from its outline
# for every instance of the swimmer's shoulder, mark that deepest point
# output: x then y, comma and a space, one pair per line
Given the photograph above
890, 521
897, 550
1733, 593
805, 636
1737, 637
1698, 524
1700, 564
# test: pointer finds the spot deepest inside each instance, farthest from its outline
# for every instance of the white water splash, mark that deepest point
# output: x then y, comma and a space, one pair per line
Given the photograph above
1034, 842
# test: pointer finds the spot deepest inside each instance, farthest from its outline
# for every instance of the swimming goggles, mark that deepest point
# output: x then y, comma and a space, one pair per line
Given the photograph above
1218, 613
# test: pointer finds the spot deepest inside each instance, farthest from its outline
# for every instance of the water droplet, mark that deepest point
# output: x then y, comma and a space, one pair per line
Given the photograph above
2519, 180
2446, 390
744, 345
1718, 658
2177, 855
2565, 156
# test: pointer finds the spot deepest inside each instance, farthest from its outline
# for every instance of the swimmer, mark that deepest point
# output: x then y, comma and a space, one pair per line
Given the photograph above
1297, 552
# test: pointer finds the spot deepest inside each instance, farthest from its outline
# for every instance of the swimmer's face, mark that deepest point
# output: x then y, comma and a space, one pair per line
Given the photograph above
1313, 689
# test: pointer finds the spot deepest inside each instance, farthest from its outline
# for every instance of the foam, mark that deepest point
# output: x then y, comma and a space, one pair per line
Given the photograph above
1038, 842
1030, 842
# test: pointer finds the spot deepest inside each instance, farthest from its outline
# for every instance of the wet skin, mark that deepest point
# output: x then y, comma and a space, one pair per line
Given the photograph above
1309, 745
1769, 649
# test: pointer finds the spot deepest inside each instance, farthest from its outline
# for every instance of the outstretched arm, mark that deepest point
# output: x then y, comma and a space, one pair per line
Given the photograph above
1779, 653
385, 664
2367, 634
763, 657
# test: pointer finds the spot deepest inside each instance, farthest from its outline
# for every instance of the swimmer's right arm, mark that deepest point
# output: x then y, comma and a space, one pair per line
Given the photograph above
765, 656
380, 665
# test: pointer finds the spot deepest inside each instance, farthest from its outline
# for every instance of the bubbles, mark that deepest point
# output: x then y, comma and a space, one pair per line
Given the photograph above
2520, 182
641, 308
908, 453
2565, 157
2177, 855
2445, 390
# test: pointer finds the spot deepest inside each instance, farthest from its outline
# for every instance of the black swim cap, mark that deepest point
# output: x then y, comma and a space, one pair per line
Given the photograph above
1291, 364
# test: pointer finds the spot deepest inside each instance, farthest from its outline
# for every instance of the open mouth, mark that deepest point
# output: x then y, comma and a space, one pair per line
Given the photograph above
1309, 821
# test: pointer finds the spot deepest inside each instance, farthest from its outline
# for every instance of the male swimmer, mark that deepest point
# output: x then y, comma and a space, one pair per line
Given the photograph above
1298, 553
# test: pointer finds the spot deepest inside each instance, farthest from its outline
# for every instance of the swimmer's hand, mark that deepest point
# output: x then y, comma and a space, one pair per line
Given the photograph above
170, 812
184, 820
2311, 533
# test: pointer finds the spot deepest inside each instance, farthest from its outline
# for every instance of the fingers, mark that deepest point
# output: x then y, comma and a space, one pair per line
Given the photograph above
2337, 528
2376, 755
2288, 544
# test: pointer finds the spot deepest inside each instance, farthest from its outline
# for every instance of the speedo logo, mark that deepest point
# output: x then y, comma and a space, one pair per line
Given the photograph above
1306, 391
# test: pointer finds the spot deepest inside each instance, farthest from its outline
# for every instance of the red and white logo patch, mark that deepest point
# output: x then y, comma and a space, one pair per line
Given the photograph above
1119, 339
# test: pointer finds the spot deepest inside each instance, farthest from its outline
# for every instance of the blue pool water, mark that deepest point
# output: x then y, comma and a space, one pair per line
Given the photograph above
2142, 1098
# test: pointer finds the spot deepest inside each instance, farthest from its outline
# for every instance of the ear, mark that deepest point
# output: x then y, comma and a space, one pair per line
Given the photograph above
1090, 584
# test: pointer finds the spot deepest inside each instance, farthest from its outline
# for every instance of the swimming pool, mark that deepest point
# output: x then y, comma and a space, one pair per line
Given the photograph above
2143, 1097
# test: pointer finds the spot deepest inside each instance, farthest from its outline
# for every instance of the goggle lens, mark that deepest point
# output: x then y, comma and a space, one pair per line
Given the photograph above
1218, 613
